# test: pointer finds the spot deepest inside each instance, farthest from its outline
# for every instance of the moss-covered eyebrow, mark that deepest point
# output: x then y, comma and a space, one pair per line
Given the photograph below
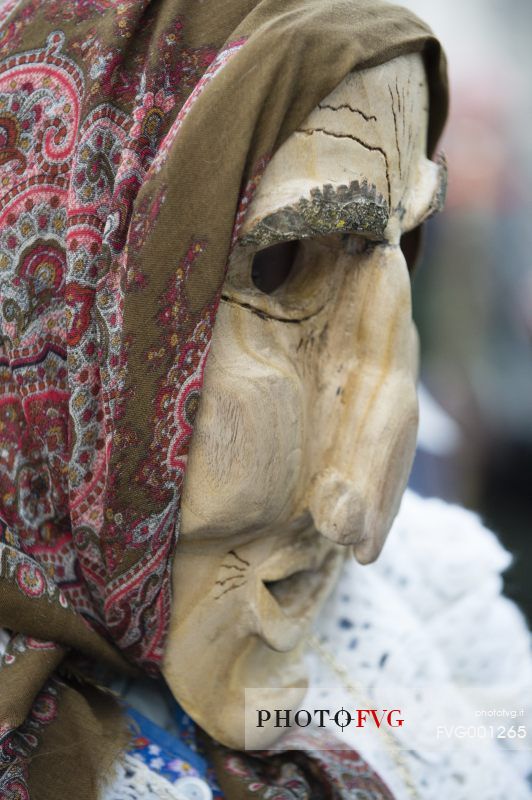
440, 193
356, 208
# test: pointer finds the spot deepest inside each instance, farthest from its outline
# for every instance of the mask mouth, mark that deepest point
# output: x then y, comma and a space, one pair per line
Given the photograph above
298, 593
292, 586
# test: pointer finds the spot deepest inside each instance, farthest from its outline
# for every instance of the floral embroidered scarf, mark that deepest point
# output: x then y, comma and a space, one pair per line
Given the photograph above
132, 135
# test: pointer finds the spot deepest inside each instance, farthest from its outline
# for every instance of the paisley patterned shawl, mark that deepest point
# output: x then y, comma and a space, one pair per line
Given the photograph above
132, 136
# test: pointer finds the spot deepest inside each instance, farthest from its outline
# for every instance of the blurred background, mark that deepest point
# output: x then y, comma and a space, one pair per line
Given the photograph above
473, 287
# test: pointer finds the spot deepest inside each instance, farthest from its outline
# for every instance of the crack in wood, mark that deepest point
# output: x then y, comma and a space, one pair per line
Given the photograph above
370, 147
229, 578
238, 558
235, 581
229, 588
367, 117
395, 127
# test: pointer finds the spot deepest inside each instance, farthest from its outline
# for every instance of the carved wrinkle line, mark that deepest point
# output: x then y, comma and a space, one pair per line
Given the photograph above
264, 315
371, 148
367, 117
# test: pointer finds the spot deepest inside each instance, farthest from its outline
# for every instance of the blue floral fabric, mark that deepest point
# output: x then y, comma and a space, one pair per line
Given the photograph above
171, 754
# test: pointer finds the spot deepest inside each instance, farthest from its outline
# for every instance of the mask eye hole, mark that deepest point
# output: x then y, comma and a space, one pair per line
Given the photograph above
411, 244
272, 266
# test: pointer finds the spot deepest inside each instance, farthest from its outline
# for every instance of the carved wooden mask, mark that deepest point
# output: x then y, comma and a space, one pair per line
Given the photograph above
306, 430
